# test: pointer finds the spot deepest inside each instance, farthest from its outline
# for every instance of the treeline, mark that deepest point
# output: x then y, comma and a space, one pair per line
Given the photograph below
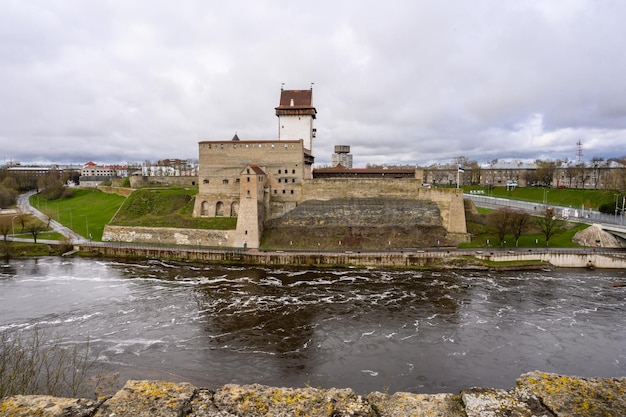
52, 184
506, 221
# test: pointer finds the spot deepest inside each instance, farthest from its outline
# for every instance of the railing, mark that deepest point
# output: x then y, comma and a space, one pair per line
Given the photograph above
579, 214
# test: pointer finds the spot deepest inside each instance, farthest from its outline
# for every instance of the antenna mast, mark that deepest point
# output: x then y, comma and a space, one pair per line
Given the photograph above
579, 151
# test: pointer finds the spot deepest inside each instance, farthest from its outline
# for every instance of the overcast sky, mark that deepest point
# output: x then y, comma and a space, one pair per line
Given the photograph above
412, 82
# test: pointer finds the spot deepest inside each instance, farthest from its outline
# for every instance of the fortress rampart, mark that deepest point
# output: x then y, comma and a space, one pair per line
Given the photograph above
450, 201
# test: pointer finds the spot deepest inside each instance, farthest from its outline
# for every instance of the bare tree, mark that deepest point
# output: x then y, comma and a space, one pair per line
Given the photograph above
5, 228
519, 224
550, 225
35, 228
499, 220
22, 219
545, 171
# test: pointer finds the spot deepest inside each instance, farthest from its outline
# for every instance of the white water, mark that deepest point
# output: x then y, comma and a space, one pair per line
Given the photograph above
365, 329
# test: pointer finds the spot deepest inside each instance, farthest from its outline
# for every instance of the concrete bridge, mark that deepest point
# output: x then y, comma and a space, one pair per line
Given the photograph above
616, 230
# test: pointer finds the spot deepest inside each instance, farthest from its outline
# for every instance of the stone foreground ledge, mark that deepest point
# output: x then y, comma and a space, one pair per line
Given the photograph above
536, 394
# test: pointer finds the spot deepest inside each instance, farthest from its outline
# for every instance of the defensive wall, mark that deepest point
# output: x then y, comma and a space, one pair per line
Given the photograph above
450, 201
137, 181
535, 394
433, 258
168, 235
122, 191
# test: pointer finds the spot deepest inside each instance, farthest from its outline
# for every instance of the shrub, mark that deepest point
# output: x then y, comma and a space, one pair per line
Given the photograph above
41, 363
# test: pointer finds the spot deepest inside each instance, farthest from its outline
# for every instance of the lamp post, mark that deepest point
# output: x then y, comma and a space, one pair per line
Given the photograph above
86, 224
13, 224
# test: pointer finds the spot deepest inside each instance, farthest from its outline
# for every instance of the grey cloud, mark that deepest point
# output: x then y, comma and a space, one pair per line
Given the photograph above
406, 81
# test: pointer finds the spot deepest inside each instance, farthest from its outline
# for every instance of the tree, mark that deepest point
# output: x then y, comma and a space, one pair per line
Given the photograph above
519, 223
5, 229
499, 220
7, 196
545, 171
22, 219
35, 228
550, 225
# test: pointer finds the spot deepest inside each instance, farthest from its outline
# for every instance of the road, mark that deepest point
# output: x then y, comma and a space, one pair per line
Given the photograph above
23, 203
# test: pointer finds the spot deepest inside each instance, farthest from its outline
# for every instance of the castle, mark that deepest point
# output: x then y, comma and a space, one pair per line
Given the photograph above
262, 180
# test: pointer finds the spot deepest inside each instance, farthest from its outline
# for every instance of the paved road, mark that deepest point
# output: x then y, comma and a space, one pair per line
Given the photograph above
23, 203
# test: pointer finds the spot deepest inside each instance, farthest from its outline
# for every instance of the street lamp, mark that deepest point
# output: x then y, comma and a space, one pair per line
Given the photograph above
13, 224
86, 224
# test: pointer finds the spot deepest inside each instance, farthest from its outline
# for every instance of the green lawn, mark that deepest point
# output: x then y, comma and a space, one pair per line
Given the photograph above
167, 207
589, 199
86, 212
531, 240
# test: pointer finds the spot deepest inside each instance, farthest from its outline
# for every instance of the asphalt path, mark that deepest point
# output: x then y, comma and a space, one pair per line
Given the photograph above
23, 204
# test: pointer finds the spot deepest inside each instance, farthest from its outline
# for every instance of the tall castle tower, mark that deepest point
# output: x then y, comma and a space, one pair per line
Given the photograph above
295, 116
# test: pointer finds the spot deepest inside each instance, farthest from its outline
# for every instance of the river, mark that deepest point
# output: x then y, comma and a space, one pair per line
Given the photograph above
371, 330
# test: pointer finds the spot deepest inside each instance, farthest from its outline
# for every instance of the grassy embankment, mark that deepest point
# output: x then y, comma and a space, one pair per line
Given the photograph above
172, 207
533, 238
567, 197
87, 211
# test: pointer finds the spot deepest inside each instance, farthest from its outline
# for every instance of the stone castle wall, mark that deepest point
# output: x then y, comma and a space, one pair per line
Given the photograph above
137, 181
168, 235
450, 201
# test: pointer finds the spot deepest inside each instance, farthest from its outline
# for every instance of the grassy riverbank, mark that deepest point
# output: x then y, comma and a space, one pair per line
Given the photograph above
87, 211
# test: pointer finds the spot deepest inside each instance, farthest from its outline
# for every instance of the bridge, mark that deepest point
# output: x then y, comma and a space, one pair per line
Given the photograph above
616, 230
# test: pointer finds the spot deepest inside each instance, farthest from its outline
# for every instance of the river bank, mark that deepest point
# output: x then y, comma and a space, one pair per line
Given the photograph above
432, 259
535, 394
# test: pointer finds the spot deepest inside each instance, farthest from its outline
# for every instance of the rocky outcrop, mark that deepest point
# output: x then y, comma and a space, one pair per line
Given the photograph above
536, 394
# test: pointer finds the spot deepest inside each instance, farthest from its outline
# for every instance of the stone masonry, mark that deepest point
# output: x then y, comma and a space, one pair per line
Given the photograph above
536, 394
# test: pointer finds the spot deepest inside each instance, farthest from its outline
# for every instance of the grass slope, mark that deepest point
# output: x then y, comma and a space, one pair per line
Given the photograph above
166, 207
589, 199
86, 212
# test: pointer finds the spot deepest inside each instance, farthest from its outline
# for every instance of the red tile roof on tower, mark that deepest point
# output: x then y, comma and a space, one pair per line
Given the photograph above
296, 103
301, 99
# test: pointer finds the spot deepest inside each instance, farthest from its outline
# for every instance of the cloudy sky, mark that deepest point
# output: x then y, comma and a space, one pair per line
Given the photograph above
409, 82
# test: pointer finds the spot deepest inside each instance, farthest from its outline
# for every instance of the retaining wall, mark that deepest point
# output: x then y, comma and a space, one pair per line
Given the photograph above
167, 235
441, 259
563, 259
